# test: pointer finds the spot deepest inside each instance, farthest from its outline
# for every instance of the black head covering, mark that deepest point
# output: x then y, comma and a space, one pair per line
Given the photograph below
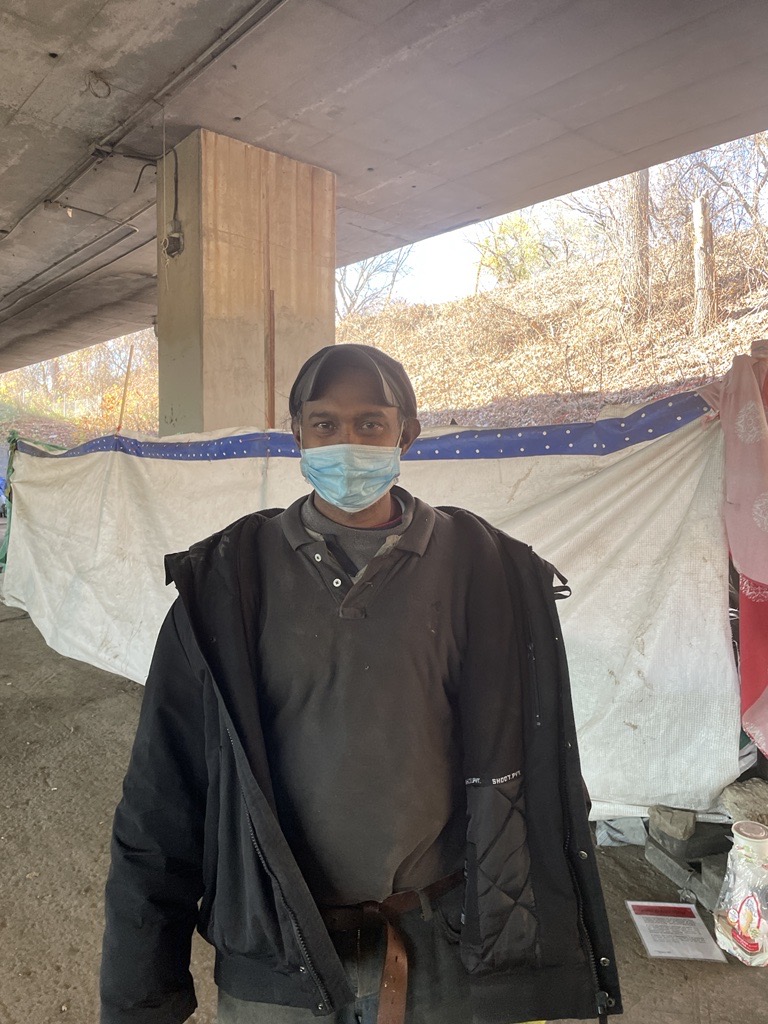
396, 388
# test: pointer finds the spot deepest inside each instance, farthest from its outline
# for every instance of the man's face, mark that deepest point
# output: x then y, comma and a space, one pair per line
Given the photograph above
349, 411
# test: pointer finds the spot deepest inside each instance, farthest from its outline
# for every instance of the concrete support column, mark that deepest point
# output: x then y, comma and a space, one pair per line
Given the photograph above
251, 293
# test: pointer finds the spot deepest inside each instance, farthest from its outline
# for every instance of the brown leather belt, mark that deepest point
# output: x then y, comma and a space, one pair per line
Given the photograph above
393, 987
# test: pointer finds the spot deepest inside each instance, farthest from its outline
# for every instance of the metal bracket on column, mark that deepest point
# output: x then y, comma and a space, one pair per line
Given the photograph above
173, 243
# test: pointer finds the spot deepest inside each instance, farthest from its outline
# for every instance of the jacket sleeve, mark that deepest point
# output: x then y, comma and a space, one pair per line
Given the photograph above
155, 880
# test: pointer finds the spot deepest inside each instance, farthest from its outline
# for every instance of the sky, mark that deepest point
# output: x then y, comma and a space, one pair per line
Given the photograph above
442, 268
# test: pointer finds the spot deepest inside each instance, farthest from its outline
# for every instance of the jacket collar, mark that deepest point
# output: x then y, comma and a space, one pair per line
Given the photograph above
415, 539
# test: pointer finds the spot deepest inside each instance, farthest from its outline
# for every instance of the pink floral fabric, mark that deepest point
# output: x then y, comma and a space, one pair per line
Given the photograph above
741, 399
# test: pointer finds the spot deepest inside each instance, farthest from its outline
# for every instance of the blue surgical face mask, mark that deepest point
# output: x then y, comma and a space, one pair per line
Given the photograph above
351, 476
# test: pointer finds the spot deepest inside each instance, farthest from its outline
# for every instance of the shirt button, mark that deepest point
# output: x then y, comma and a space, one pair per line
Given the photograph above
318, 557
337, 583
302, 969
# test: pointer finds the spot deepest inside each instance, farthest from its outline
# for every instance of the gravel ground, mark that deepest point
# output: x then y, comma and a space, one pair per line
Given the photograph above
65, 735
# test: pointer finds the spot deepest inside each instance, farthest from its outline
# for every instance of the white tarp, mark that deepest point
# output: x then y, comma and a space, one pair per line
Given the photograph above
630, 513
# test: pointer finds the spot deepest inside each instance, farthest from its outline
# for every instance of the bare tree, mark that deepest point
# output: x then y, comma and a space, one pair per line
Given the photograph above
602, 207
367, 286
87, 385
637, 275
734, 180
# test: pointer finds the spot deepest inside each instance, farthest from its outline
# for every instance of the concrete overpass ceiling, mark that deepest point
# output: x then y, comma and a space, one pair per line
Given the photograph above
432, 113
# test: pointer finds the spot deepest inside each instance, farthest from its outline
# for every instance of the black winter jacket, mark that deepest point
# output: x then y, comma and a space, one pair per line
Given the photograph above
197, 842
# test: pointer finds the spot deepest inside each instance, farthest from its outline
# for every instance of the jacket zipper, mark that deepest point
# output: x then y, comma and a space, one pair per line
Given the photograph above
299, 937
601, 998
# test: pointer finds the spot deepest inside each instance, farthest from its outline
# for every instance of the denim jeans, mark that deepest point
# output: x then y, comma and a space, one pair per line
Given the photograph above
438, 991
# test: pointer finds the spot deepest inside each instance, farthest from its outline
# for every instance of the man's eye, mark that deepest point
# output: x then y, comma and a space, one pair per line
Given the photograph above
371, 425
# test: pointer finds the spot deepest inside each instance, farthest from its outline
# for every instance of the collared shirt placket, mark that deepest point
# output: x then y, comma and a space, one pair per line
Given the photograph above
352, 598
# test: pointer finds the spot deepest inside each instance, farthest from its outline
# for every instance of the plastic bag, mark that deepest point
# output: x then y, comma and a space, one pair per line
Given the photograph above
741, 914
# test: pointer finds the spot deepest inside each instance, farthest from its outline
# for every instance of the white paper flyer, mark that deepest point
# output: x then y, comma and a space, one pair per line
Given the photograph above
673, 930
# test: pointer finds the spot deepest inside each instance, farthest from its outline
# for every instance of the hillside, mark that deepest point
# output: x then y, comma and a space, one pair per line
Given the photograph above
34, 425
49, 429
554, 348
557, 347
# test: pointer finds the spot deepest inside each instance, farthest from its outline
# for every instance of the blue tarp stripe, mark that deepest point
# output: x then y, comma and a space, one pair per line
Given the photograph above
601, 438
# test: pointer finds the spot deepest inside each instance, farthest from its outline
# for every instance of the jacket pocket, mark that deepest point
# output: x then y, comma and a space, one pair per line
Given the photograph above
449, 913
245, 914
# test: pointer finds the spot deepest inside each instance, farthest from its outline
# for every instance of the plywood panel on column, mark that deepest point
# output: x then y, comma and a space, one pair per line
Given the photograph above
268, 225
265, 251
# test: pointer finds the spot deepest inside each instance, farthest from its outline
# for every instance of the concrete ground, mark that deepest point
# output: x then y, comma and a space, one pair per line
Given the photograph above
65, 736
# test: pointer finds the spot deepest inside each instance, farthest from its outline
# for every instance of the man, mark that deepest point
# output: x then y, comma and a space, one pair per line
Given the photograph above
355, 769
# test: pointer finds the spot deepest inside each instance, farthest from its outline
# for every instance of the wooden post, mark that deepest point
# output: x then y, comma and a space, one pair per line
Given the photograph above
637, 288
705, 308
125, 390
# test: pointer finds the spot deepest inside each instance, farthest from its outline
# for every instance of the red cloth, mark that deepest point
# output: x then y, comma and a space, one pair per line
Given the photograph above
753, 659
741, 399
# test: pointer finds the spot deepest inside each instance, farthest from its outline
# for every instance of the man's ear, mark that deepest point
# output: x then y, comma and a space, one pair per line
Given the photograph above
411, 430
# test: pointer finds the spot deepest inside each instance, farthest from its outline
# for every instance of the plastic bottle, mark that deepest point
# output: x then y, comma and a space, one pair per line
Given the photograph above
741, 914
